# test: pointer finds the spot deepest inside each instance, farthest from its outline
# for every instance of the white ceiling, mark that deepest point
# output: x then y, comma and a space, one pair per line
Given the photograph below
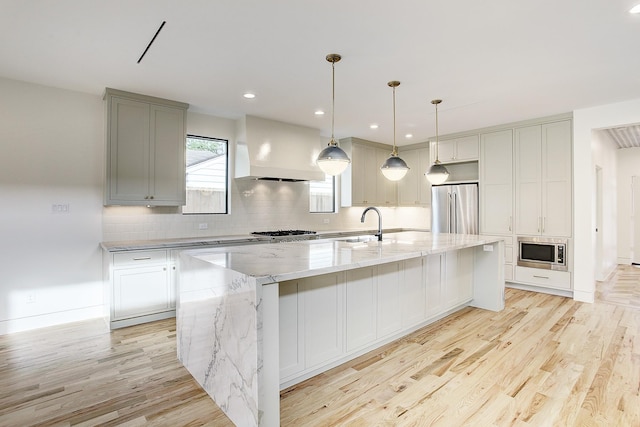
492, 61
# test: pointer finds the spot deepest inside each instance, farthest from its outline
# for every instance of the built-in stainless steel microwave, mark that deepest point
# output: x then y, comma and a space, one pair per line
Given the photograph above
541, 252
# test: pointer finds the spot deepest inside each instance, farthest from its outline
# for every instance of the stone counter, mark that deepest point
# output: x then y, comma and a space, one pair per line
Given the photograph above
228, 315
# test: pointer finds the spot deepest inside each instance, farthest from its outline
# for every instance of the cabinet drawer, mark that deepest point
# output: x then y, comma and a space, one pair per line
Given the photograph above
546, 278
130, 259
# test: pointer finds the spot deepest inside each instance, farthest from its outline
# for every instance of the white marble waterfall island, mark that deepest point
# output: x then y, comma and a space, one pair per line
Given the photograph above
257, 318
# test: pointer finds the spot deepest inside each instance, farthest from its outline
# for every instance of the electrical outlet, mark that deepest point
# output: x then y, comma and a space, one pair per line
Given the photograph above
60, 208
203, 226
31, 297
326, 221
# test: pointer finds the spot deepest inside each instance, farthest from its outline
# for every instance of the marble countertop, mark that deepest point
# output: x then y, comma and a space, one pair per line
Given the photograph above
276, 262
194, 242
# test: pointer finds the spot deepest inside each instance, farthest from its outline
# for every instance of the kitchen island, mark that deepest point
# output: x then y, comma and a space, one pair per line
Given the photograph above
254, 319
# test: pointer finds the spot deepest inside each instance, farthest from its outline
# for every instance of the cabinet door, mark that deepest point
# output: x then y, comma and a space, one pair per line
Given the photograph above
496, 183
414, 189
408, 186
413, 292
387, 191
528, 180
128, 151
361, 307
556, 179
434, 270
291, 332
458, 286
167, 183
446, 151
388, 286
323, 320
140, 290
467, 148
364, 183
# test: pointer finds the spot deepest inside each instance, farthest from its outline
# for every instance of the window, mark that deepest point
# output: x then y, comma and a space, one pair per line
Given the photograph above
207, 166
322, 195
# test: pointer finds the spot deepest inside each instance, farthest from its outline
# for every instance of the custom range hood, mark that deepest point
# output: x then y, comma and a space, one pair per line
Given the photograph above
267, 149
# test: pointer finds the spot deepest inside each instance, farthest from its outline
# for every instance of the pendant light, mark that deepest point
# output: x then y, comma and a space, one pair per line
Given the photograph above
394, 168
437, 173
333, 160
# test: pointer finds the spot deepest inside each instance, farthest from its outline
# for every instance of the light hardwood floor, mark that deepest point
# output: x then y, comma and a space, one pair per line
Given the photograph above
543, 361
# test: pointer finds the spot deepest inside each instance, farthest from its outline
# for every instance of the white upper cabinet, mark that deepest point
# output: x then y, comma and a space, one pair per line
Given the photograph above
145, 150
414, 189
543, 179
464, 149
496, 182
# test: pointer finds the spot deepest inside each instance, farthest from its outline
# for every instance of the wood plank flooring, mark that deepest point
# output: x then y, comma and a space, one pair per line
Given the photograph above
543, 361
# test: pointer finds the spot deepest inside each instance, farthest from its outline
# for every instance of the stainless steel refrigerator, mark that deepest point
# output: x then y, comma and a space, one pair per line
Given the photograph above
454, 209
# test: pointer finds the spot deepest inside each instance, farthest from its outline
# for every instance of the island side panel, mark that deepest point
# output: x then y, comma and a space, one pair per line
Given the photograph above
217, 320
488, 276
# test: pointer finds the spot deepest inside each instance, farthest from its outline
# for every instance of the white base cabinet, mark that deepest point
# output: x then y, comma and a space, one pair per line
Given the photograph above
325, 320
140, 287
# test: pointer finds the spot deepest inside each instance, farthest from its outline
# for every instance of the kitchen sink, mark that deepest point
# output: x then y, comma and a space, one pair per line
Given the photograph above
358, 239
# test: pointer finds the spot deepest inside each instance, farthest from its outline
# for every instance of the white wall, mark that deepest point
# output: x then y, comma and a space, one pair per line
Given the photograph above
628, 166
604, 155
584, 122
52, 154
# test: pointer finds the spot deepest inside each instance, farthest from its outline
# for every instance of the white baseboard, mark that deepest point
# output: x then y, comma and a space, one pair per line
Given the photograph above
50, 319
624, 261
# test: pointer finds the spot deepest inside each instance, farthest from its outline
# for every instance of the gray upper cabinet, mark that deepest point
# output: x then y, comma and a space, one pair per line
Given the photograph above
145, 150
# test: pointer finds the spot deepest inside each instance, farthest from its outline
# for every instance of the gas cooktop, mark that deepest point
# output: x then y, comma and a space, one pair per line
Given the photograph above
281, 233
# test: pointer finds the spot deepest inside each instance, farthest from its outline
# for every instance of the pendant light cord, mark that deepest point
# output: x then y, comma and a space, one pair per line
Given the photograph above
395, 150
333, 100
436, 102
437, 143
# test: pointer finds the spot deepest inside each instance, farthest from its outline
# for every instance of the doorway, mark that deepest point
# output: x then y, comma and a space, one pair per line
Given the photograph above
599, 273
635, 220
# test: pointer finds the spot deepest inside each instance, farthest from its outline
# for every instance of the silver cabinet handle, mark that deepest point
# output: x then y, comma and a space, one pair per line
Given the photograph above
540, 277
510, 222
142, 258
539, 224
543, 223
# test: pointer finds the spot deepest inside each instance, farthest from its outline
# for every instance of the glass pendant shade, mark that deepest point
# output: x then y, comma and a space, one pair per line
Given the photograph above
437, 173
394, 168
333, 160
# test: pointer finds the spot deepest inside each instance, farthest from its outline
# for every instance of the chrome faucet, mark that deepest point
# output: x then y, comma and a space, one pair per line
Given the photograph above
370, 208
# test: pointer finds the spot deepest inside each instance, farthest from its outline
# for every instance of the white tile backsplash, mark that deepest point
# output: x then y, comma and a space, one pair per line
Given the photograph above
254, 206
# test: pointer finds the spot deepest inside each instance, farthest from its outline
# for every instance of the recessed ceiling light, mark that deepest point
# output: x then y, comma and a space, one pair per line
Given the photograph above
635, 9
249, 95
409, 135
319, 113
373, 126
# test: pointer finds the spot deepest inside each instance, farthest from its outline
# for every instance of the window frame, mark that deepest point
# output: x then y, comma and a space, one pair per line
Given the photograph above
226, 180
333, 194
